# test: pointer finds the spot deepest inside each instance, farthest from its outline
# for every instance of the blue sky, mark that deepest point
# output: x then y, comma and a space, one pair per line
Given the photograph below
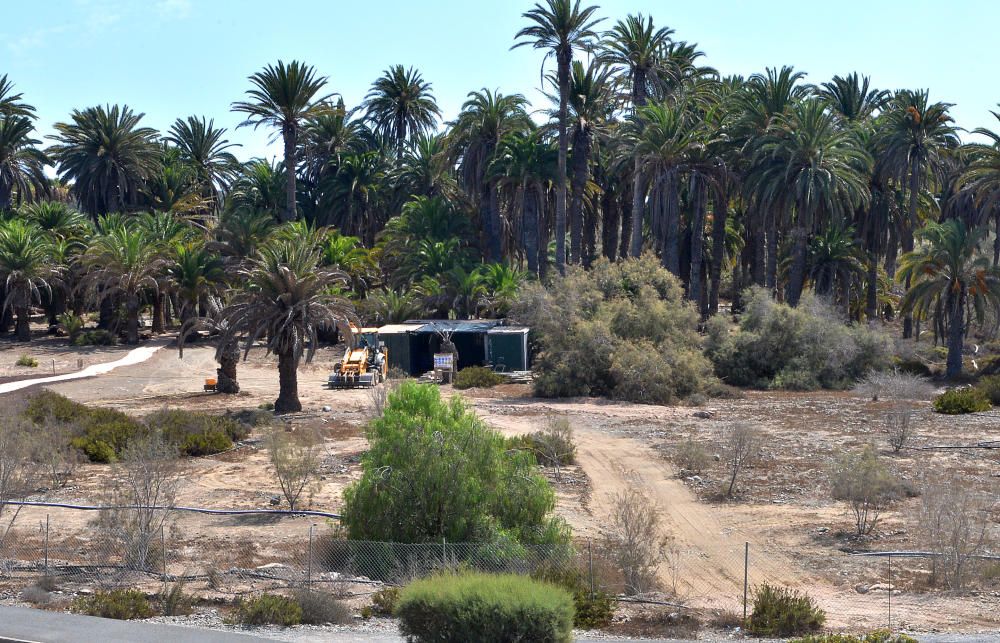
170, 58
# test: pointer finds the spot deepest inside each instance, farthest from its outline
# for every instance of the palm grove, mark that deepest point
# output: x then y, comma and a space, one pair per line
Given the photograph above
857, 193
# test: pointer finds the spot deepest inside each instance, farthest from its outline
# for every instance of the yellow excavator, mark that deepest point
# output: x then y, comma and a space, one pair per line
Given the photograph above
363, 365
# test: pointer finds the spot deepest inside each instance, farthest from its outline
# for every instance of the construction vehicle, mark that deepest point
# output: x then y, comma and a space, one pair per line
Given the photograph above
365, 364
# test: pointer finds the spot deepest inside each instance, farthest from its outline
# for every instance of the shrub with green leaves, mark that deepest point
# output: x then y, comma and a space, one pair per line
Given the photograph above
268, 609
990, 387
101, 434
592, 609
27, 360
622, 330
804, 348
957, 401
121, 604
97, 337
483, 607
780, 611
197, 434
384, 601
435, 470
477, 377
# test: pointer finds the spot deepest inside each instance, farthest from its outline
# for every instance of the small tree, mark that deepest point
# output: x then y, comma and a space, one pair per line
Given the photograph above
954, 523
15, 463
899, 424
741, 444
296, 461
554, 445
866, 485
634, 540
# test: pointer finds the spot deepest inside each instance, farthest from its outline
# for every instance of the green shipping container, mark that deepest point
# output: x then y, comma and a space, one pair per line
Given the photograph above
507, 348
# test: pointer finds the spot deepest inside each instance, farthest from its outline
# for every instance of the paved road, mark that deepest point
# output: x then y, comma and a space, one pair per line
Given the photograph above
23, 624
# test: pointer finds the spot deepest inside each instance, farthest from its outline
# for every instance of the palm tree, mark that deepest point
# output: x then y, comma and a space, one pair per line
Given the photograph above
174, 186
194, 273
10, 103
636, 46
285, 297
425, 169
982, 179
400, 105
915, 138
355, 194
501, 284
284, 96
951, 279
123, 262
560, 26
835, 259
806, 167
853, 97
27, 269
204, 149
486, 118
59, 220
107, 156
22, 165
350, 257
258, 187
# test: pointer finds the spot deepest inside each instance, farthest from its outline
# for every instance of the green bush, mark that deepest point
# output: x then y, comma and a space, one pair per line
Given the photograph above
121, 604
623, 331
72, 324
102, 434
268, 609
320, 608
435, 470
803, 348
197, 434
384, 601
477, 377
26, 360
97, 337
481, 607
779, 611
990, 387
957, 401
592, 609
878, 636
551, 447
176, 602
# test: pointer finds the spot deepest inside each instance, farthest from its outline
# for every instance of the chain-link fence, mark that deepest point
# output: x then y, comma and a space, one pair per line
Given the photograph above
231, 555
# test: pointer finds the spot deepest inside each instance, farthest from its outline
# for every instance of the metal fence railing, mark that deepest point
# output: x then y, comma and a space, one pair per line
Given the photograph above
224, 556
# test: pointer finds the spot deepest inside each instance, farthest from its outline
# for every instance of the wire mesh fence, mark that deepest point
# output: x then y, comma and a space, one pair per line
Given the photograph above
229, 556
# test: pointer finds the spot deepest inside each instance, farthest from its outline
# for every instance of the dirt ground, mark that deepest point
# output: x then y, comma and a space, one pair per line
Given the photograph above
796, 535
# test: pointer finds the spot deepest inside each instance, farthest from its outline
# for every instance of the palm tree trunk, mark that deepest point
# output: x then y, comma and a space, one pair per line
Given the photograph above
23, 326
956, 332
132, 319
288, 135
226, 381
700, 196
638, 196
671, 226
581, 157
563, 61
158, 313
797, 275
908, 237
288, 384
491, 212
529, 227
871, 294
589, 236
610, 226
626, 236
106, 312
771, 274
720, 210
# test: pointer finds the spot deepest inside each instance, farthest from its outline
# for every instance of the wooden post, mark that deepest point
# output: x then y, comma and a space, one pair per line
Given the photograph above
746, 578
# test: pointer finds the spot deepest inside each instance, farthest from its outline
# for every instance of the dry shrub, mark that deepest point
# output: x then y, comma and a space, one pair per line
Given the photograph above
864, 482
691, 456
741, 444
662, 624
378, 397
899, 426
894, 385
634, 540
16, 471
319, 608
296, 459
955, 522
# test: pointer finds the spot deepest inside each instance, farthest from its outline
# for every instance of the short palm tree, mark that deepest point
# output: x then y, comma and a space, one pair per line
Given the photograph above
400, 105
22, 165
286, 297
58, 219
27, 269
107, 156
559, 26
284, 96
195, 273
258, 186
951, 280
123, 263
204, 149
501, 284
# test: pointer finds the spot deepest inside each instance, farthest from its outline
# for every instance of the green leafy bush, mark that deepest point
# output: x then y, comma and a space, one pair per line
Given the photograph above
481, 607
26, 360
320, 608
121, 604
384, 601
72, 324
957, 401
435, 470
779, 611
197, 434
96, 337
591, 609
620, 330
990, 387
102, 434
878, 636
268, 609
551, 447
477, 377
804, 348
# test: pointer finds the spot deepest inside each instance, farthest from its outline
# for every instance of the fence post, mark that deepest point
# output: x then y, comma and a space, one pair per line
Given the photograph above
444, 552
746, 577
309, 571
590, 555
889, 593
163, 553
46, 544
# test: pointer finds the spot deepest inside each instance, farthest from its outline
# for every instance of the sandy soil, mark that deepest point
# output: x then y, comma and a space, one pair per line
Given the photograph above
797, 536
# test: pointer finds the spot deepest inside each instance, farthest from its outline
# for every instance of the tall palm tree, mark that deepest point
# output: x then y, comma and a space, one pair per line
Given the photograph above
286, 297
982, 179
124, 263
10, 103
635, 46
354, 195
916, 135
27, 269
853, 97
106, 155
425, 169
400, 105
805, 168
22, 165
486, 117
283, 97
951, 279
559, 26
203, 147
